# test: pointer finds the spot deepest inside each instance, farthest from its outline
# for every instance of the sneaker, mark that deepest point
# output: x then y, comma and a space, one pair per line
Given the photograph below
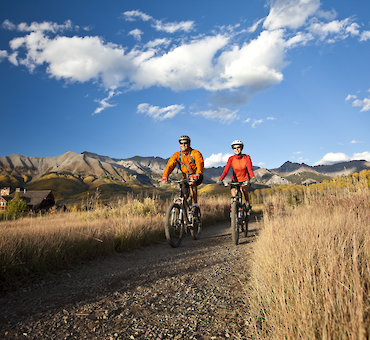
195, 209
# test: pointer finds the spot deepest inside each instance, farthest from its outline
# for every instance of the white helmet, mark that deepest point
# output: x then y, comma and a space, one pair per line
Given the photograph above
184, 138
237, 142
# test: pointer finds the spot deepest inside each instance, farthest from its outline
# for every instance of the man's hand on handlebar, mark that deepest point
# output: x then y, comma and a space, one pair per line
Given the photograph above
164, 180
193, 178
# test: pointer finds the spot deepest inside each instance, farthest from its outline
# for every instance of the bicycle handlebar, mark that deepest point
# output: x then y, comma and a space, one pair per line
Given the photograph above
235, 184
183, 180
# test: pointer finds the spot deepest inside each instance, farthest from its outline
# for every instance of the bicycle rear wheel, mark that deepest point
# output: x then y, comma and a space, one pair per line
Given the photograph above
234, 223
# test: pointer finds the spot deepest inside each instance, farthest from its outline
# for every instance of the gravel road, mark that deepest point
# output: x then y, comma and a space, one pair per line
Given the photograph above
196, 291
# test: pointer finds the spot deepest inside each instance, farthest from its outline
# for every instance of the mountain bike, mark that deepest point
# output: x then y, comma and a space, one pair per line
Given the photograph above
239, 213
181, 219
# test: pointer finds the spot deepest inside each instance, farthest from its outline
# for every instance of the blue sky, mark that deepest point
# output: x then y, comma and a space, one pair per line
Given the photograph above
125, 78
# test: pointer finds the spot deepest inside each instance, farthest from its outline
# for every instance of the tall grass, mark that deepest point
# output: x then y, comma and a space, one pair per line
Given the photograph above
310, 276
34, 245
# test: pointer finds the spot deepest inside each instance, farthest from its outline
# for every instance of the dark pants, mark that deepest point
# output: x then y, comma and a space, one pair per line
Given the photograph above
185, 186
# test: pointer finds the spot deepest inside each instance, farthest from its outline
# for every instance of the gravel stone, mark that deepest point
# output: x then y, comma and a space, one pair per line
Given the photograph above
157, 292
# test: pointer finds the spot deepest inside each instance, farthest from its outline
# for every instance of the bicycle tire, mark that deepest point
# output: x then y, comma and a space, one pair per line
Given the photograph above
197, 227
174, 226
245, 220
234, 223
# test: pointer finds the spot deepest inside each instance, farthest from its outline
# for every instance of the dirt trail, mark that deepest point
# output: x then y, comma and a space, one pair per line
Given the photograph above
193, 292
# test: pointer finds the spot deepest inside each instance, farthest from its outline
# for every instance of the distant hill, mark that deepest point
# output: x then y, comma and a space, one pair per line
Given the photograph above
72, 174
338, 169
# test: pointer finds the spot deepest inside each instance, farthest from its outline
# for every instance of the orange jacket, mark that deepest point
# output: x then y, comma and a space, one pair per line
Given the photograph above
191, 163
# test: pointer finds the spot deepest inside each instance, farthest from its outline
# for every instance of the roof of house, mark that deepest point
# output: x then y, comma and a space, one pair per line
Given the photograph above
33, 197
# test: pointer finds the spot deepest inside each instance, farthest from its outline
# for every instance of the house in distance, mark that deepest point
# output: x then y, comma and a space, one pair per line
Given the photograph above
37, 200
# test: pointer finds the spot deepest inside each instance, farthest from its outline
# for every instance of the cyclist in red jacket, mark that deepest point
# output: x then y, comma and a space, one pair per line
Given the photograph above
242, 169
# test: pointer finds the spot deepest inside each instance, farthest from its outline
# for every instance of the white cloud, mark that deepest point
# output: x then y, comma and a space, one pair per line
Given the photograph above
216, 159
8, 25
270, 118
75, 58
353, 29
157, 42
335, 30
159, 25
3, 54
160, 113
136, 33
290, 13
192, 65
332, 157
103, 103
261, 164
187, 66
356, 102
363, 103
45, 26
136, 14
173, 27
353, 141
365, 35
256, 122
255, 65
223, 114
299, 39
351, 96
362, 156
13, 59
254, 27
328, 15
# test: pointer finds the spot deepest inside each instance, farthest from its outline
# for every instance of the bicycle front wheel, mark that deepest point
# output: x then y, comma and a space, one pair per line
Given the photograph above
174, 227
197, 226
234, 223
245, 220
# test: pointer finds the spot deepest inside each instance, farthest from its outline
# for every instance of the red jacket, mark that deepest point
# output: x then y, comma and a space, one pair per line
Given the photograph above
242, 168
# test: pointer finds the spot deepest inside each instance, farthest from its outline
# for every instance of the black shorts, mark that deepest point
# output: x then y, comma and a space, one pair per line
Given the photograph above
185, 186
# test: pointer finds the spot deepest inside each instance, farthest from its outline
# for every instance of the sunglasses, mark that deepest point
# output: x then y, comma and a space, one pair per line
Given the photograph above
237, 147
184, 143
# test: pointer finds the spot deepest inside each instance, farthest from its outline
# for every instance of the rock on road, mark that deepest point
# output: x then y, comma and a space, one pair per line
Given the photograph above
196, 291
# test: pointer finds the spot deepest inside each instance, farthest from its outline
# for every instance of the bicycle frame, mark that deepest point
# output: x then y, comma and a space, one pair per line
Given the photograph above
238, 213
180, 219
182, 201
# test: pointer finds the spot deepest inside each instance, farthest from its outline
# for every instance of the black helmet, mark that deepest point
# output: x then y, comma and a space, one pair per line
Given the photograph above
184, 137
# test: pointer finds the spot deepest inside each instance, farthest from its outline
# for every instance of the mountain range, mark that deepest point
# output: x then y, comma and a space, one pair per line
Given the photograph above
76, 173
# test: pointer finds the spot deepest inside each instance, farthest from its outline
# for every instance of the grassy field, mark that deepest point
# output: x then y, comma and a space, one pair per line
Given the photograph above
310, 273
35, 245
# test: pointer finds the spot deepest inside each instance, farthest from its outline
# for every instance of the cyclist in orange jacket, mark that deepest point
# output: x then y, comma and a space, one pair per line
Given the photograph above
191, 165
242, 169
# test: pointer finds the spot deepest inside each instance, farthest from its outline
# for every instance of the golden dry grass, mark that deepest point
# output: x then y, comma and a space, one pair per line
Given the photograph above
310, 274
33, 245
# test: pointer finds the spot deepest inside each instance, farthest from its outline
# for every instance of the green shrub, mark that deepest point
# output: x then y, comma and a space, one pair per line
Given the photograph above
16, 207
